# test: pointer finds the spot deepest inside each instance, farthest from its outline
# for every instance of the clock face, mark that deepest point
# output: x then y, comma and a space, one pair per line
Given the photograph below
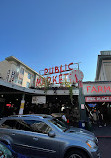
75, 76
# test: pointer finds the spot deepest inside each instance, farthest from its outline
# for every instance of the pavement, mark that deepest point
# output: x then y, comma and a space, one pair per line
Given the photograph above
104, 139
102, 132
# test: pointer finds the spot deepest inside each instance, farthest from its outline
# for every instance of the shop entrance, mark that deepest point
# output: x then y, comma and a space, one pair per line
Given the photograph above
94, 108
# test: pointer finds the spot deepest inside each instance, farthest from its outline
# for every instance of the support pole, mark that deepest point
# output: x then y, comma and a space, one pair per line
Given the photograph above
22, 105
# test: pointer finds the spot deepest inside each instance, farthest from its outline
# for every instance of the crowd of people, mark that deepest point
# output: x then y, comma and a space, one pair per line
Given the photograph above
97, 116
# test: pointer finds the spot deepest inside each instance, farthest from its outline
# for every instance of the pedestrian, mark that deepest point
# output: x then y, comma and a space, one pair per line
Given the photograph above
64, 117
100, 119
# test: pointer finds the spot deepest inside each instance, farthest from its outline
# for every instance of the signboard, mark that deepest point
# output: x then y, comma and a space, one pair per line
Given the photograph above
82, 106
39, 99
92, 105
97, 89
98, 99
59, 74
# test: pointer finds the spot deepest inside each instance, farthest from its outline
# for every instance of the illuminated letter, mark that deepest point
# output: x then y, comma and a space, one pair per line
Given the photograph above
38, 81
69, 66
43, 81
61, 69
45, 71
56, 69
54, 79
60, 78
50, 70
49, 79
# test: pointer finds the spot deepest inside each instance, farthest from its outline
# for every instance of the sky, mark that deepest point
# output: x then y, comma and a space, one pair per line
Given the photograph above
48, 33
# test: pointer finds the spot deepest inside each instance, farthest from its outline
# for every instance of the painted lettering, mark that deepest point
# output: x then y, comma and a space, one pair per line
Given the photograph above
107, 88
88, 88
93, 89
100, 89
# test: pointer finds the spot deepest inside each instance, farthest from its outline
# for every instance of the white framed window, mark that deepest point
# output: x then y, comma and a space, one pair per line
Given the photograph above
29, 76
20, 81
22, 71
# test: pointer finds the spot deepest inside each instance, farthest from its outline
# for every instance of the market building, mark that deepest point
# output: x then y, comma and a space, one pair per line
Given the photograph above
16, 72
44, 93
56, 88
98, 93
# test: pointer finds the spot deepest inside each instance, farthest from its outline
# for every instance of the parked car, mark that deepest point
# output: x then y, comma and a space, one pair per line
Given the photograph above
43, 136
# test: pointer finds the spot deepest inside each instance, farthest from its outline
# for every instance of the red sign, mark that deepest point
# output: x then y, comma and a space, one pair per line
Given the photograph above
63, 76
57, 69
98, 89
98, 99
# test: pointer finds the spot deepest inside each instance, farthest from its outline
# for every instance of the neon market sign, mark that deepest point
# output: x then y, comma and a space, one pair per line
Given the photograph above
59, 74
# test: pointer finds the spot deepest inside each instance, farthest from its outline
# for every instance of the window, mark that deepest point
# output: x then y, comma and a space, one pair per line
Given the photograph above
27, 85
22, 71
40, 127
59, 124
20, 81
8, 124
29, 76
27, 125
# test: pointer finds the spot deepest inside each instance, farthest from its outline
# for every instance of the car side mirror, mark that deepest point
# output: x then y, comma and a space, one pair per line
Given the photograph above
51, 134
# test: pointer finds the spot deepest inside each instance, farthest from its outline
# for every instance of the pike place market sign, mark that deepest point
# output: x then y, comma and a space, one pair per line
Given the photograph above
95, 89
59, 74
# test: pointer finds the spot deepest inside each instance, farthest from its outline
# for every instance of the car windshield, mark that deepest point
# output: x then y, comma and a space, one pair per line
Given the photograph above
59, 124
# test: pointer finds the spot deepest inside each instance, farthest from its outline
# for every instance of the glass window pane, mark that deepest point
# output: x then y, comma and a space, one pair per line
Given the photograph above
29, 76
22, 71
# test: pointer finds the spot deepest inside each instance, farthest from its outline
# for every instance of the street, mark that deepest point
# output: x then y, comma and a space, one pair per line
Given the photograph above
104, 146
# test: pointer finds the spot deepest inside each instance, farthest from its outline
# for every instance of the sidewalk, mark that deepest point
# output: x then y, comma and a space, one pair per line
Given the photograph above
102, 132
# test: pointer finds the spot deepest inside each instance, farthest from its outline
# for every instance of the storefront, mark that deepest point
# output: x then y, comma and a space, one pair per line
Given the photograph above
98, 97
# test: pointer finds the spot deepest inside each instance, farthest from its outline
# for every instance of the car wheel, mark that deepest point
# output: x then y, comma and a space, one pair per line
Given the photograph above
76, 154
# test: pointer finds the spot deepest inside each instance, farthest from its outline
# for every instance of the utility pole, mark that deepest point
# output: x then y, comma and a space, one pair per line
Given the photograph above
81, 100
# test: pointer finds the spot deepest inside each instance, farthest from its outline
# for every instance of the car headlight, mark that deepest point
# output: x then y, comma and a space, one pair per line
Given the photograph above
91, 144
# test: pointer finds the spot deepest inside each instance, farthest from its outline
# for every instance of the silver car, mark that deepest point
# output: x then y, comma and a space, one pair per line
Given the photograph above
43, 136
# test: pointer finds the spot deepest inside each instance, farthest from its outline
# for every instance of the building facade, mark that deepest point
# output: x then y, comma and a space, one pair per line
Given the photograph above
14, 71
103, 70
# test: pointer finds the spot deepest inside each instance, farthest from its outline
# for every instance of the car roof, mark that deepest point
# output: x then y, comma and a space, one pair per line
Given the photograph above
33, 115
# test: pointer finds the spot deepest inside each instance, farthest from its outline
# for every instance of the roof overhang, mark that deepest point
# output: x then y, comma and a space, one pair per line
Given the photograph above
21, 89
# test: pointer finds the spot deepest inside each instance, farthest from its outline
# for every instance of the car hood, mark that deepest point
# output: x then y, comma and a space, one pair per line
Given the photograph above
81, 133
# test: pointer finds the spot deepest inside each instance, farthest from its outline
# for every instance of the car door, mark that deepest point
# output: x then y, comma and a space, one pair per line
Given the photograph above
42, 145
31, 138
9, 132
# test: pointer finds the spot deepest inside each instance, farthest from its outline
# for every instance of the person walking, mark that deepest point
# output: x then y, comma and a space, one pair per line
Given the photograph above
100, 119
